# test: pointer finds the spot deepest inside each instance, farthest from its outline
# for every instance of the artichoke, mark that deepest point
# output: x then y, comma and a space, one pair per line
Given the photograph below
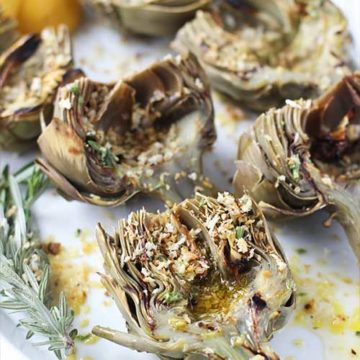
306, 156
8, 32
146, 133
204, 280
263, 52
30, 72
150, 17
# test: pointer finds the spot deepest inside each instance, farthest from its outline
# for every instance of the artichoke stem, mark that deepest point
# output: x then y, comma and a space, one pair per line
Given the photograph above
347, 211
142, 344
348, 215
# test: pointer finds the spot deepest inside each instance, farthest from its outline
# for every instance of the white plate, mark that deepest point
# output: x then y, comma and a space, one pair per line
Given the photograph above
327, 272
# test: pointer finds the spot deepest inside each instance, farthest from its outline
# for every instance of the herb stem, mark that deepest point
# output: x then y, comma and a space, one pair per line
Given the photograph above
24, 267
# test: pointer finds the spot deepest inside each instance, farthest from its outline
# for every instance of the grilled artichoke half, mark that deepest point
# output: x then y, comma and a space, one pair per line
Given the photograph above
30, 72
203, 280
150, 17
263, 52
145, 133
306, 156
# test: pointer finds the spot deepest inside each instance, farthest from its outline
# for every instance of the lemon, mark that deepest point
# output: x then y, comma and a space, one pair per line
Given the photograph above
34, 15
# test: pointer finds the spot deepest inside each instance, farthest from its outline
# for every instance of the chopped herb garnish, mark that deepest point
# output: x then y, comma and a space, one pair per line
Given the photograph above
301, 294
202, 202
301, 251
294, 165
107, 157
74, 89
239, 232
172, 297
357, 333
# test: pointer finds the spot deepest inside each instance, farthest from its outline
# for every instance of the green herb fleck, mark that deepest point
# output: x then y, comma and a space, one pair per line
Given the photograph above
301, 294
357, 333
239, 232
301, 251
202, 202
73, 333
172, 297
294, 165
74, 89
107, 157
157, 186
78, 232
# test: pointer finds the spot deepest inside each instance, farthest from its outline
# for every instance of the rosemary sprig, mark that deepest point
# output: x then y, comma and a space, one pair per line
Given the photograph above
107, 157
24, 267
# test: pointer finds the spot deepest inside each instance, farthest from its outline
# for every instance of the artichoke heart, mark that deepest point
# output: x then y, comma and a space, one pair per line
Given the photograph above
146, 133
150, 17
306, 156
263, 52
30, 72
204, 280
